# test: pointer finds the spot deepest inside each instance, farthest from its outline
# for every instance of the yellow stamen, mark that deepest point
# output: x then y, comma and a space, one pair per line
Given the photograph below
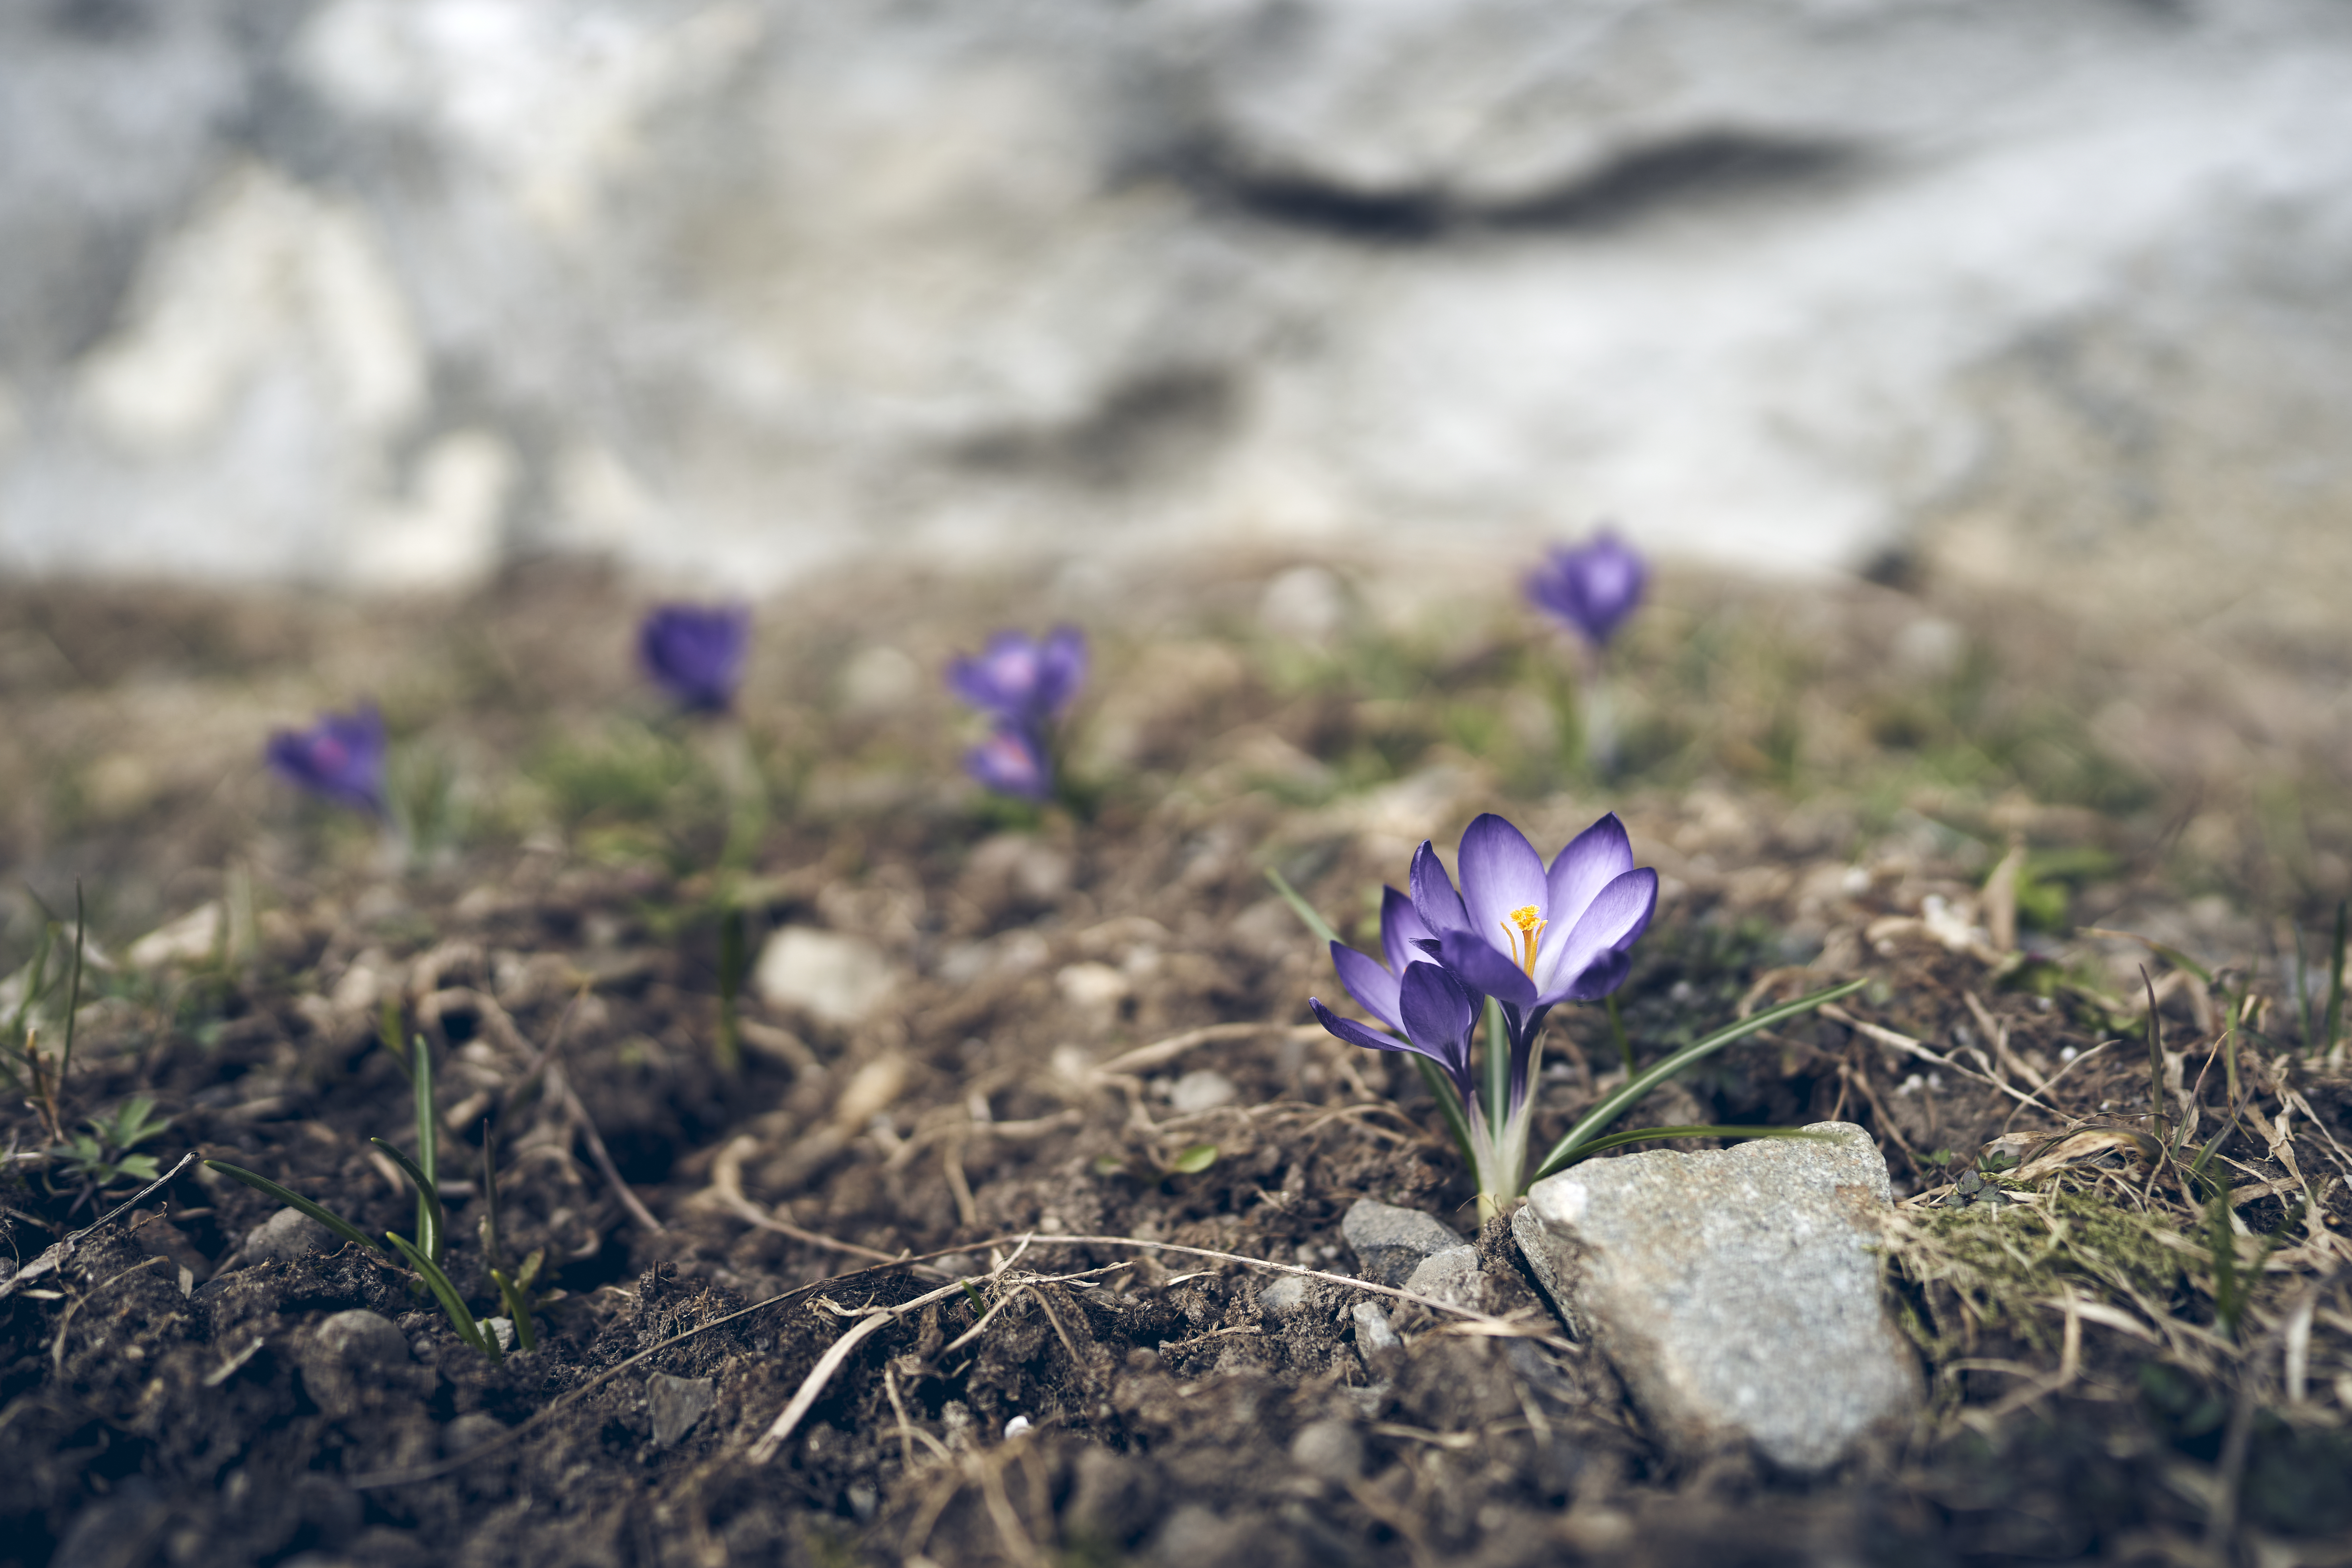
1529, 930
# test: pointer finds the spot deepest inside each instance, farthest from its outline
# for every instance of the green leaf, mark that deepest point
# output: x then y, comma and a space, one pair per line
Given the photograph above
1305, 911
292, 1199
1449, 1106
453, 1304
1193, 1160
429, 1142
1495, 1063
1659, 1134
430, 1219
1622, 1100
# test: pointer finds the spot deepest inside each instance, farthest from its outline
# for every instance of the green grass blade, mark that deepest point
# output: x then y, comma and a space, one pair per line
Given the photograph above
430, 1217
1305, 911
1449, 1106
1617, 1103
2335, 1025
295, 1200
1657, 1135
460, 1318
516, 1300
82, 936
491, 1253
428, 1144
2302, 990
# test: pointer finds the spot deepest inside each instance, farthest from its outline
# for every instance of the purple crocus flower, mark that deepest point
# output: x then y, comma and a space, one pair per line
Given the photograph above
1011, 762
1526, 936
696, 652
340, 758
1399, 994
1531, 936
1022, 681
1592, 587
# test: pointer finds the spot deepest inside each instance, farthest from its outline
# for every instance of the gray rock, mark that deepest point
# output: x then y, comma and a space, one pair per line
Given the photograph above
470, 1432
1285, 1295
1390, 1242
350, 1356
675, 1404
1194, 1533
1372, 1332
1114, 1499
117, 1532
1451, 1276
1330, 1450
963, 330
1736, 1292
288, 1235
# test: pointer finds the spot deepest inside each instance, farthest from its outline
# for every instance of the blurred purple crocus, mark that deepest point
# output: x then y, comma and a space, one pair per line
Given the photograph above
1592, 587
696, 652
1011, 762
340, 758
1024, 685
1022, 681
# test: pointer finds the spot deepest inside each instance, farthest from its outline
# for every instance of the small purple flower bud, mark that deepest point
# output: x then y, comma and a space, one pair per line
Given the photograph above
1022, 681
696, 652
340, 758
1011, 762
1592, 587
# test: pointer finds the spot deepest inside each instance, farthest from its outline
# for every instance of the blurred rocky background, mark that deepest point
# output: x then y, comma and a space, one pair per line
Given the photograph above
2047, 296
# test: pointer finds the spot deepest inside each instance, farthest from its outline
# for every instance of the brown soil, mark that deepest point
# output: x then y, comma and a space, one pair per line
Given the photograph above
1054, 980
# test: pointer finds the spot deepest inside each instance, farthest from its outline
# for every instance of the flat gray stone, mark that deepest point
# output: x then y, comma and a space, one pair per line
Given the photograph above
1389, 1242
287, 1236
1451, 1276
1736, 1292
1285, 1295
1372, 1331
675, 1404
351, 1357
1329, 1449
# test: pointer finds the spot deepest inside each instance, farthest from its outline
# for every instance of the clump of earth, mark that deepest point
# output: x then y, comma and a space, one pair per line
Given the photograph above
1052, 1068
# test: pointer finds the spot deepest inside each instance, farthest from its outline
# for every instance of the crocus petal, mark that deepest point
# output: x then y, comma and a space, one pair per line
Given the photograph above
1437, 1012
1061, 670
1433, 898
1593, 961
1592, 587
1355, 1033
340, 758
1402, 930
1009, 761
696, 652
1593, 859
1501, 873
1374, 988
1483, 968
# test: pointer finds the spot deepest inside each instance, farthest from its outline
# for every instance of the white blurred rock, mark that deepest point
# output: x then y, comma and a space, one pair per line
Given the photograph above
1200, 1089
832, 978
740, 291
193, 938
